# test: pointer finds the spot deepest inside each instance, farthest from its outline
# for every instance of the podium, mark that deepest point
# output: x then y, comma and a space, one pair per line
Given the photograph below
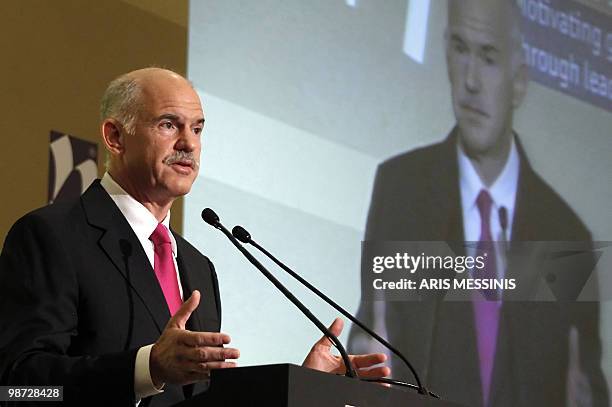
286, 385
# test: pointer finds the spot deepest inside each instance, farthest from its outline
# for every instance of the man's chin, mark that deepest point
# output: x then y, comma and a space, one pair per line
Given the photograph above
183, 189
475, 141
179, 186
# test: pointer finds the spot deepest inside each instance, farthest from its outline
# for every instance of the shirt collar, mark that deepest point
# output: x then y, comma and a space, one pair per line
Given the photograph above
503, 190
142, 222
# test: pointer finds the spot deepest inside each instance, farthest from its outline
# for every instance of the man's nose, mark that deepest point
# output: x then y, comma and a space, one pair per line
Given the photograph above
188, 140
472, 75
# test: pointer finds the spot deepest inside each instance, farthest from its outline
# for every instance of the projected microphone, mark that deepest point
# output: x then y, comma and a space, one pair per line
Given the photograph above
212, 219
503, 222
244, 236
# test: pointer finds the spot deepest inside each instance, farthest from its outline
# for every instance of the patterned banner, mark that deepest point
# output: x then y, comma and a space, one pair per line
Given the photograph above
73, 165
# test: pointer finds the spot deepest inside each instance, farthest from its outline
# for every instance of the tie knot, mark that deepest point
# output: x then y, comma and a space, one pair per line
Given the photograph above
160, 235
484, 203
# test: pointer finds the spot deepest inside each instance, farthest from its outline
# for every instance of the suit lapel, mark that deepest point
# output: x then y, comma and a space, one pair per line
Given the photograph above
453, 319
190, 282
525, 213
514, 316
122, 247
196, 274
444, 189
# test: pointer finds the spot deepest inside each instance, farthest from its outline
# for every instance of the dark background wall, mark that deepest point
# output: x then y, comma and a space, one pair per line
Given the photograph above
57, 57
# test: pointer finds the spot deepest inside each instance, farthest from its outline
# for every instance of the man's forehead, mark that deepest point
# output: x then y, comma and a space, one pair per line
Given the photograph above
478, 34
181, 101
491, 20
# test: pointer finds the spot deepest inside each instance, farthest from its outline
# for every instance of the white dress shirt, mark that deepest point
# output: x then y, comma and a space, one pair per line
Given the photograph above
502, 191
143, 223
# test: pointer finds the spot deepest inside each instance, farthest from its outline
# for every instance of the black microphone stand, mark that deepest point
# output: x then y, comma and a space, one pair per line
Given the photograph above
212, 219
245, 237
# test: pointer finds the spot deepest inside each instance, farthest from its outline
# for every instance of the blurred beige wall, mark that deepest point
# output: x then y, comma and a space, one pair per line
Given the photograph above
57, 57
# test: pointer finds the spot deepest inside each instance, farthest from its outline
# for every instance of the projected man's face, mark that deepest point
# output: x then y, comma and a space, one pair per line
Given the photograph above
485, 87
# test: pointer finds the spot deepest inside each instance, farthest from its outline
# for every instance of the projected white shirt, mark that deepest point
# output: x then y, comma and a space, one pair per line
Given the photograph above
502, 191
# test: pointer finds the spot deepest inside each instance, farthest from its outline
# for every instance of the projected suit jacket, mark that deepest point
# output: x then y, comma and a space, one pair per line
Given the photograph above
78, 297
416, 197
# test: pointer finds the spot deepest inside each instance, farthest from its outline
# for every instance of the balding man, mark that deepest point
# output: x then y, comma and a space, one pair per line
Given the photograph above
99, 295
478, 186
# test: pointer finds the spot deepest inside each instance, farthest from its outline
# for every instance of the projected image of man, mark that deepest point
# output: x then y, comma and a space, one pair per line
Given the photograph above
477, 185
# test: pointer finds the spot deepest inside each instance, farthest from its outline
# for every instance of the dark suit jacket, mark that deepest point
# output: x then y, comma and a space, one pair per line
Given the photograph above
416, 197
78, 297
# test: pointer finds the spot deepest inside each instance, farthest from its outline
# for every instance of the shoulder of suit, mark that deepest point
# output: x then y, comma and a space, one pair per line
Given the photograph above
416, 168
45, 225
53, 213
552, 208
421, 157
74, 206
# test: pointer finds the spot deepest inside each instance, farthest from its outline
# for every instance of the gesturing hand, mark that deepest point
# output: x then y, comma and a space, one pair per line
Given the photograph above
579, 391
320, 358
181, 357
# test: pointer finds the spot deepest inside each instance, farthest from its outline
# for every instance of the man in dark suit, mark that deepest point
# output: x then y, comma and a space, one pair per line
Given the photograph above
97, 295
433, 194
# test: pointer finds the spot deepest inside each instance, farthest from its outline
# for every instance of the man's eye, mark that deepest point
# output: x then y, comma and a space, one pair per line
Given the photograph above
489, 60
460, 48
197, 130
167, 125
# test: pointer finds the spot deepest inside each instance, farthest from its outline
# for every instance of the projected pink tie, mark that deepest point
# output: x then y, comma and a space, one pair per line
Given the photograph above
164, 267
486, 313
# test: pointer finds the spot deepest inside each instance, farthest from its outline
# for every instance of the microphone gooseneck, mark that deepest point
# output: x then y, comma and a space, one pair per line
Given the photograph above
502, 214
210, 217
244, 236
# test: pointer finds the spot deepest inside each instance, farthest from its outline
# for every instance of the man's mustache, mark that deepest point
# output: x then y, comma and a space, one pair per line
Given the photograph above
182, 157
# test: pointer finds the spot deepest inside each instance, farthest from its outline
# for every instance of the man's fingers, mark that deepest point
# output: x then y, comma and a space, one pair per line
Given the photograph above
202, 367
181, 357
179, 320
335, 328
368, 360
375, 372
208, 354
574, 348
194, 339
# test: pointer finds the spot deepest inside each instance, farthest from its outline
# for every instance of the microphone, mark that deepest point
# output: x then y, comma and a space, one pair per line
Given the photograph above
209, 216
502, 213
244, 236
503, 219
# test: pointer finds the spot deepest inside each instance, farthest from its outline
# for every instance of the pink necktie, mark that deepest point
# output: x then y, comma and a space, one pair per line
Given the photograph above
486, 312
164, 267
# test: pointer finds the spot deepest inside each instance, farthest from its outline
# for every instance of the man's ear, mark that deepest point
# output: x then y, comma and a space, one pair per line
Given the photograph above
112, 137
519, 84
